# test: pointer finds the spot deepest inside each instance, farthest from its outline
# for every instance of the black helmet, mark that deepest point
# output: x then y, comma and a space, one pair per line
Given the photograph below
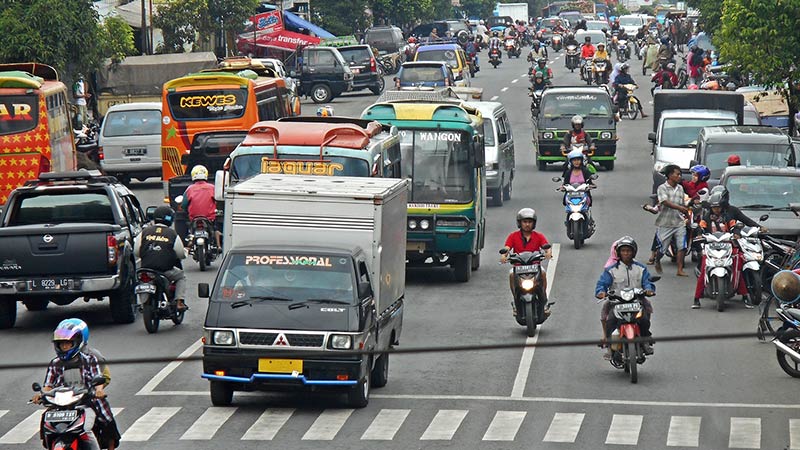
718, 197
587, 39
526, 213
164, 215
626, 241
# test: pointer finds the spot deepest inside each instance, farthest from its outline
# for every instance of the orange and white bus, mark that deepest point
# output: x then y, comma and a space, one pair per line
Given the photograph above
35, 131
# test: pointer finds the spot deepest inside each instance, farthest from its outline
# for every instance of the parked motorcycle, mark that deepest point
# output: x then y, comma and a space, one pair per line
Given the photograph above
63, 424
632, 107
579, 223
628, 308
495, 56
572, 58
512, 47
787, 340
529, 294
155, 296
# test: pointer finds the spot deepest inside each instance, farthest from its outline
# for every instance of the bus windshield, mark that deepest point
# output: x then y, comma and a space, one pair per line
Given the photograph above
213, 104
247, 166
18, 113
438, 163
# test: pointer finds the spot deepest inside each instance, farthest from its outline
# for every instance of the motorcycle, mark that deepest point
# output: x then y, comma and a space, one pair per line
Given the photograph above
494, 57
391, 62
536, 100
512, 47
471, 64
600, 71
529, 295
586, 70
720, 277
752, 254
579, 222
573, 59
787, 340
155, 296
87, 147
628, 308
555, 42
64, 420
623, 52
641, 44
202, 242
632, 106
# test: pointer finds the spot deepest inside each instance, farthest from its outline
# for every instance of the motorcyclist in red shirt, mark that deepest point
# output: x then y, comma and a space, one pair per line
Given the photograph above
198, 200
526, 240
587, 49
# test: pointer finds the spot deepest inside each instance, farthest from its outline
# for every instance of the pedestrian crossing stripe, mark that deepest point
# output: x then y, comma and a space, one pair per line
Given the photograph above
564, 427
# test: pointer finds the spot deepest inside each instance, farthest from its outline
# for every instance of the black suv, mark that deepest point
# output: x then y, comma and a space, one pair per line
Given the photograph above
386, 39
457, 29
323, 74
367, 72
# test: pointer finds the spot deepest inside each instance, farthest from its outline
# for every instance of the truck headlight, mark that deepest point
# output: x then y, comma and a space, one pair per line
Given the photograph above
222, 338
605, 135
412, 224
424, 224
547, 135
341, 341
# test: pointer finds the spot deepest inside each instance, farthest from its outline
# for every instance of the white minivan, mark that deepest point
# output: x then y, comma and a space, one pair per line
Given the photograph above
130, 141
499, 144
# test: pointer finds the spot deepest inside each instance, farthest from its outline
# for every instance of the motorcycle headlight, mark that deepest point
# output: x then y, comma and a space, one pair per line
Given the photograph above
605, 135
526, 284
341, 341
627, 295
719, 262
222, 337
424, 224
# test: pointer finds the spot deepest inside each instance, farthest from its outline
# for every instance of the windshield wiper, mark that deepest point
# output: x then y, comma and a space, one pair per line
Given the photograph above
319, 301
781, 208
756, 206
258, 299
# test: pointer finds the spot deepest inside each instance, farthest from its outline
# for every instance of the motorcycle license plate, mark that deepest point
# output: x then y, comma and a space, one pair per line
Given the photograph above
200, 234
145, 289
526, 268
628, 307
60, 416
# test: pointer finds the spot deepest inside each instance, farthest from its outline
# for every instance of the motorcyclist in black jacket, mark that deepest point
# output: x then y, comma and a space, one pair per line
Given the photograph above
162, 250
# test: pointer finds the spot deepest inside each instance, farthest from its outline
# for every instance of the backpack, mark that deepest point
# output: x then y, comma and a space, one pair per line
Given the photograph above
697, 59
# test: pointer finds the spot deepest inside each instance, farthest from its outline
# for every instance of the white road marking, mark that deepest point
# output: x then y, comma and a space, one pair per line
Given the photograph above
208, 424
564, 427
267, 425
385, 425
504, 426
515, 80
524, 75
444, 425
24, 430
624, 429
745, 432
3, 412
504, 89
794, 434
525, 362
146, 426
684, 431
168, 369
327, 425
494, 97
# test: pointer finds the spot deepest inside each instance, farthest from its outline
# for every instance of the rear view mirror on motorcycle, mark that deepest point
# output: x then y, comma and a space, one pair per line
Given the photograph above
98, 380
503, 251
556, 179
594, 176
203, 290
36, 387
546, 247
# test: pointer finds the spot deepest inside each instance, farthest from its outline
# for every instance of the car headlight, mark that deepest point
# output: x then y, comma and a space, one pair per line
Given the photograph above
222, 338
412, 224
526, 284
341, 341
547, 135
605, 135
424, 224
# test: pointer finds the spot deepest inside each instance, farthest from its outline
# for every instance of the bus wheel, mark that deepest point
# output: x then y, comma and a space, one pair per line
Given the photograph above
321, 93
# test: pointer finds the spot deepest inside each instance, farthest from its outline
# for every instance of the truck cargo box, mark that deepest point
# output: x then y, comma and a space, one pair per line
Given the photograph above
696, 99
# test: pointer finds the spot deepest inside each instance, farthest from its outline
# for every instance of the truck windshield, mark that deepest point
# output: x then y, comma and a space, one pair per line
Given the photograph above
587, 105
750, 154
769, 190
87, 207
283, 277
246, 166
438, 163
682, 133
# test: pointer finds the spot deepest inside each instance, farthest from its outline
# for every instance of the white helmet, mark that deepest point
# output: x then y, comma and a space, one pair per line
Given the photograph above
199, 173
481, 22
577, 120
574, 154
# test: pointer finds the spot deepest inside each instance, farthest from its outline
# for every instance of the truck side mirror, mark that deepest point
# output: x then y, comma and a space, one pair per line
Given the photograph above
150, 212
694, 162
479, 151
364, 290
651, 136
202, 290
220, 180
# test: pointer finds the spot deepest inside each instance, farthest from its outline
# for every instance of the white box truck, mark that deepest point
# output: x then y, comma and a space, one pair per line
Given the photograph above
517, 11
314, 270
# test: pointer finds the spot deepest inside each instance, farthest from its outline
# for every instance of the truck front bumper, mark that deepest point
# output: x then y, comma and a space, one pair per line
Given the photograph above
551, 151
73, 286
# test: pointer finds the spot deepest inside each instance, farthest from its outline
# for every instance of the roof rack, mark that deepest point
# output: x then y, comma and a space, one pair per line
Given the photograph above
363, 123
339, 41
73, 176
427, 41
323, 134
419, 95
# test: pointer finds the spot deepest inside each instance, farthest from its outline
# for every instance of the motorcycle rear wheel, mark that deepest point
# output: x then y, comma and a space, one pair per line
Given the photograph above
790, 366
530, 320
150, 316
201, 257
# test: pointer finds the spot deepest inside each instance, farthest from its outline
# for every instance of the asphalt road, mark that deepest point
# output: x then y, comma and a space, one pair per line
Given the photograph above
708, 394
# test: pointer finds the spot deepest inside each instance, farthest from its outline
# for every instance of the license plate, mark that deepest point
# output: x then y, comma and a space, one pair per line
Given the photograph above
145, 289
60, 416
280, 365
628, 307
134, 151
50, 284
356, 70
201, 234
415, 247
526, 268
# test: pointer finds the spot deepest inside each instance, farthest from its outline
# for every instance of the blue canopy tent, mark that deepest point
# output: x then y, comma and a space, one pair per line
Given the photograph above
293, 22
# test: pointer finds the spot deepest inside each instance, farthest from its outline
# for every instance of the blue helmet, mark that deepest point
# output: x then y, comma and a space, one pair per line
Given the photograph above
74, 330
703, 174
575, 154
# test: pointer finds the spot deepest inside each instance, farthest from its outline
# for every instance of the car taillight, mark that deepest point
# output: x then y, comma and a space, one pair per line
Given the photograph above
44, 165
145, 277
373, 67
100, 155
111, 244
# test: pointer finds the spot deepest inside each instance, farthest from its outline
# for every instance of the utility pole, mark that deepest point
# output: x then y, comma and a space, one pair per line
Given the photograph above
144, 29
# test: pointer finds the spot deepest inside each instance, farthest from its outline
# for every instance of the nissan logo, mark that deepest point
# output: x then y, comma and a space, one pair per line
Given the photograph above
47, 238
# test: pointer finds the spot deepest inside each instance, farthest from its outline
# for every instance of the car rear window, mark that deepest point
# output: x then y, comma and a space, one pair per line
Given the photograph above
140, 122
358, 55
448, 56
94, 207
421, 74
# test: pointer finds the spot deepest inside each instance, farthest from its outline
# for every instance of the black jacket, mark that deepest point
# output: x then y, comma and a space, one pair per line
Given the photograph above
567, 170
729, 213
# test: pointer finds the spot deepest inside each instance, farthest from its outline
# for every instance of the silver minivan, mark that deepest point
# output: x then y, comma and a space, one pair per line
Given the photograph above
499, 143
130, 141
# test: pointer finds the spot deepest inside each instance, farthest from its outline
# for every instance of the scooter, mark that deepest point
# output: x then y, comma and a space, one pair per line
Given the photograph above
623, 52
494, 57
529, 294
155, 296
628, 308
632, 106
555, 42
579, 222
572, 59
63, 424
752, 253
586, 70
512, 47
600, 71
720, 277
201, 242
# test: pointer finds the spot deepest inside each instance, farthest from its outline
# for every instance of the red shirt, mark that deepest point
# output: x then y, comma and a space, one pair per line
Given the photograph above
587, 50
200, 197
692, 189
517, 242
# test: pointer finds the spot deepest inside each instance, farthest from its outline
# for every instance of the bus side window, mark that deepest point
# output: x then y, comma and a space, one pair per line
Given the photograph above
391, 162
268, 109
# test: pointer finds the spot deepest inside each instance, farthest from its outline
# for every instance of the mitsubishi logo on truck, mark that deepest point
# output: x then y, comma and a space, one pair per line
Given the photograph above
47, 238
281, 340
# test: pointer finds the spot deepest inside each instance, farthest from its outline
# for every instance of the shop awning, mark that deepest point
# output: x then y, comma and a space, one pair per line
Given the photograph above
295, 22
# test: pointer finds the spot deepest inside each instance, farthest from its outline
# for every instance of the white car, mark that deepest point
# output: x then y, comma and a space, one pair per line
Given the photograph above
631, 23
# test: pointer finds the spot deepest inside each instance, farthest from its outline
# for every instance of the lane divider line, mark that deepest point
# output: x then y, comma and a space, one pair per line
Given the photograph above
504, 89
494, 97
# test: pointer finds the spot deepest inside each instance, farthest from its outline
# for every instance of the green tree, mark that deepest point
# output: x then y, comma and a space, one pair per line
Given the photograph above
711, 10
478, 8
411, 10
178, 21
341, 17
116, 39
761, 39
185, 22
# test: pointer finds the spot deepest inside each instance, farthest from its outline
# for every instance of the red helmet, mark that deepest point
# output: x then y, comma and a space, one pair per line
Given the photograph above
412, 40
734, 160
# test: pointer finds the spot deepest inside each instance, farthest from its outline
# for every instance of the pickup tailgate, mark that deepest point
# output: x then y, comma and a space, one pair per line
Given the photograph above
63, 249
